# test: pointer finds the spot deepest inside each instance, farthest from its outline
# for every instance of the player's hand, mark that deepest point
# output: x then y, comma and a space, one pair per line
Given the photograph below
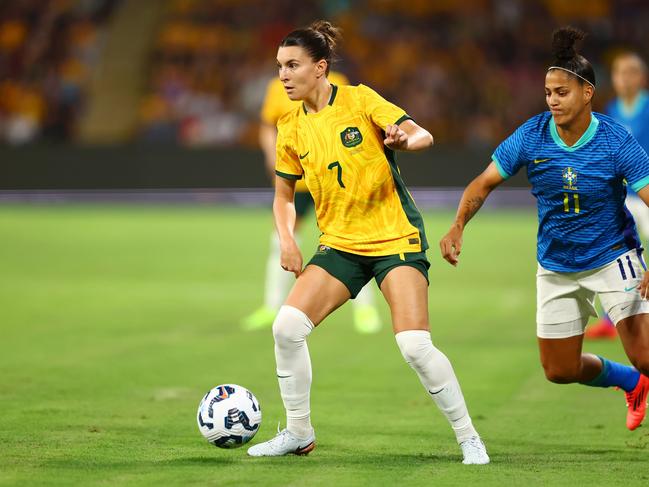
451, 244
291, 257
644, 286
395, 138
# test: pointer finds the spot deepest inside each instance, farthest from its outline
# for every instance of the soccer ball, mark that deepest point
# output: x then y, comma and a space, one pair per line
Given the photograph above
229, 416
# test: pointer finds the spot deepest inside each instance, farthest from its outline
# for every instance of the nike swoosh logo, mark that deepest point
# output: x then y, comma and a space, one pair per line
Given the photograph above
303, 156
627, 289
283, 376
536, 161
625, 307
433, 393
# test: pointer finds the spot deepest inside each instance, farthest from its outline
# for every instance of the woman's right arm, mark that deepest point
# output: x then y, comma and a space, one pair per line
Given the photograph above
284, 212
473, 197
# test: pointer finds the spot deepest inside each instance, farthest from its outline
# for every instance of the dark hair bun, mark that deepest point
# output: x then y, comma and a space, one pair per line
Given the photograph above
331, 34
565, 42
319, 40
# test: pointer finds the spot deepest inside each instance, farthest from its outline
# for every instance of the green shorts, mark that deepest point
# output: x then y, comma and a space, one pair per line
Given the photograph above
303, 203
354, 270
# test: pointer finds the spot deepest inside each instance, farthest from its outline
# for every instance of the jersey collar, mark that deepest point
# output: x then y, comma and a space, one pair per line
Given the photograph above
583, 140
638, 105
334, 92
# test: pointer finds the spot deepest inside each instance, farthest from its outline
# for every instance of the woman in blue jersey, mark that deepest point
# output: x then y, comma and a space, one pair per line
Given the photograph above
577, 162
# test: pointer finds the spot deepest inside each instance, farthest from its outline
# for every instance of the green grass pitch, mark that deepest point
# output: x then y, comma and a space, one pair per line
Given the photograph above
115, 320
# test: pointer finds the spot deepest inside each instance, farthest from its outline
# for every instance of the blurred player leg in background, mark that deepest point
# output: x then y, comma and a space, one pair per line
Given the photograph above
278, 283
631, 109
604, 328
366, 316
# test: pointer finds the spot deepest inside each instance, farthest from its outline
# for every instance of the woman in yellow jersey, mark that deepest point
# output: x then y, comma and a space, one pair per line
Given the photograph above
341, 140
277, 282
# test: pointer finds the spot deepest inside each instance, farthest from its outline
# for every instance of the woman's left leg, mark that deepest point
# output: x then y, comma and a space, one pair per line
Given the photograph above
406, 291
634, 333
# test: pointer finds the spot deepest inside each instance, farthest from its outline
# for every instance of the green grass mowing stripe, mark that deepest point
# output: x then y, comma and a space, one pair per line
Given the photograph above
115, 321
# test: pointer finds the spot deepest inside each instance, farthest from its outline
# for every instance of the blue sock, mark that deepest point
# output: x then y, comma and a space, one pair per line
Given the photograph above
614, 374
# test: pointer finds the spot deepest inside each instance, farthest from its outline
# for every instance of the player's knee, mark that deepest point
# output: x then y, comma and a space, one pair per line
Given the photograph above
416, 346
290, 326
564, 374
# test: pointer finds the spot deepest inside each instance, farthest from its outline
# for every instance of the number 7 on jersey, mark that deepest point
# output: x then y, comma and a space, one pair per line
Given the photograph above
340, 172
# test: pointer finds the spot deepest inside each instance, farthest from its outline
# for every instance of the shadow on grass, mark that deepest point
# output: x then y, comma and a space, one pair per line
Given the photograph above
94, 464
324, 459
516, 453
196, 461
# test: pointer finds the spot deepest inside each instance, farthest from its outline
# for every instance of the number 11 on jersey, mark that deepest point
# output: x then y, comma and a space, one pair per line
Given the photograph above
566, 202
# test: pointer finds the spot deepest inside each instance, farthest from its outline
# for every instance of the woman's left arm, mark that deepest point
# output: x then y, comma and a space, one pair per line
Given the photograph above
407, 136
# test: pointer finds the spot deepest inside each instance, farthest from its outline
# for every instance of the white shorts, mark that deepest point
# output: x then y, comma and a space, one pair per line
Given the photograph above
565, 300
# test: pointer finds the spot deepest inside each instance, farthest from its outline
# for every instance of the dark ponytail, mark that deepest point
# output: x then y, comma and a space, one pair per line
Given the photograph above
565, 45
319, 40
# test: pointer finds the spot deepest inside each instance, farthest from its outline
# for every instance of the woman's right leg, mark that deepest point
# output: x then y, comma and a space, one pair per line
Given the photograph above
315, 295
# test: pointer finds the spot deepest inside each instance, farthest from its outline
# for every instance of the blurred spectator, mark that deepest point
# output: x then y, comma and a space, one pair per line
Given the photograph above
468, 71
47, 51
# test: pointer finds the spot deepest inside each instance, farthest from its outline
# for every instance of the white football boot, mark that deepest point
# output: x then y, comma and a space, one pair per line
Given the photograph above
474, 451
285, 443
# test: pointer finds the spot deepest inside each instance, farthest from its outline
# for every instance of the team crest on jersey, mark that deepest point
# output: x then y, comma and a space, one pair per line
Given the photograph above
570, 179
351, 137
323, 249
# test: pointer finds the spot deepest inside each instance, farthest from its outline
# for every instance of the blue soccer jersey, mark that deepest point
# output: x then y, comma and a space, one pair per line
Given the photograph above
580, 190
634, 118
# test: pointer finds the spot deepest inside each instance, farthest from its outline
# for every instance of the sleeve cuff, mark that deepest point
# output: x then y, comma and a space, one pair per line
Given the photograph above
499, 166
284, 175
640, 184
403, 119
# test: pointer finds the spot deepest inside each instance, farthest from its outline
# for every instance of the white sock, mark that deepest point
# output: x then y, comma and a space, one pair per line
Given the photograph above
365, 297
436, 374
290, 329
278, 281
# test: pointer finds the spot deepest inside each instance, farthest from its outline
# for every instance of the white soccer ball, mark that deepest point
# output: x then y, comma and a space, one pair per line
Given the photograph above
229, 416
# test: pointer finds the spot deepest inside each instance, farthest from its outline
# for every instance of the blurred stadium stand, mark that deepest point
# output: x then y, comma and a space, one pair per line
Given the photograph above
48, 53
116, 88
167, 92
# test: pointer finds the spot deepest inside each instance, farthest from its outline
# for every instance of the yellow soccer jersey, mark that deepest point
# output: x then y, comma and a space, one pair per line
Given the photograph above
361, 202
277, 103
